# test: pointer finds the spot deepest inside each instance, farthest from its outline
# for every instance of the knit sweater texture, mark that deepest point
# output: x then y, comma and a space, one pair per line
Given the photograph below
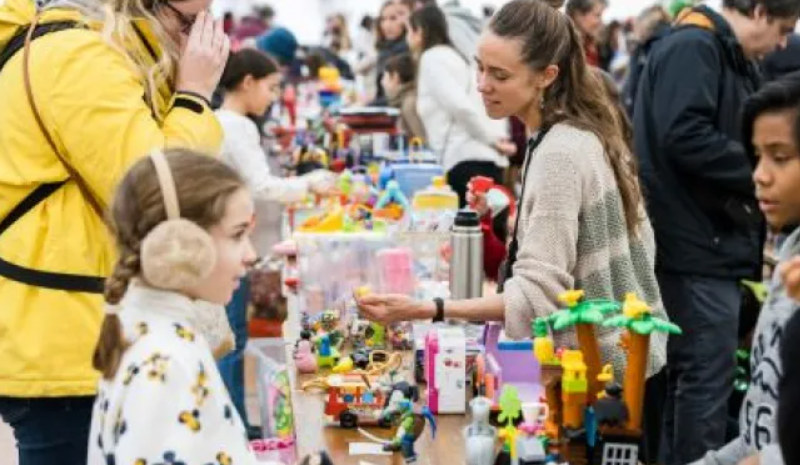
573, 235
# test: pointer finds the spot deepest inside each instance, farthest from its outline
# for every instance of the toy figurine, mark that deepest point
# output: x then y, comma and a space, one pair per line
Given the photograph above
510, 407
609, 409
411, 424
304, 358
479, 436
327, 356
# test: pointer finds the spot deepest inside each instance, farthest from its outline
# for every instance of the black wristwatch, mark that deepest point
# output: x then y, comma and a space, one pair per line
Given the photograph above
439, 310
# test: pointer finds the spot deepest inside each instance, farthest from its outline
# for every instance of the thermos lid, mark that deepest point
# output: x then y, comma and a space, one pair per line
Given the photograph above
467, 218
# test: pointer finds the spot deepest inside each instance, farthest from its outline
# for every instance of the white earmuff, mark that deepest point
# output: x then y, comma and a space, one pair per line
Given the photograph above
177, 254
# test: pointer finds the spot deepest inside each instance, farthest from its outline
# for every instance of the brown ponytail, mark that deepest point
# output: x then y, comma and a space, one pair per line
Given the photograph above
203, 184
577, 97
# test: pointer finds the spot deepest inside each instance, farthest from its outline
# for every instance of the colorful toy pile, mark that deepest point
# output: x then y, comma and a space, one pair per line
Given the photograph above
588, 422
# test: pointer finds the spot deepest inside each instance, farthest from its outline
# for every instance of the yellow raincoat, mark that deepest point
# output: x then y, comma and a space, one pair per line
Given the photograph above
92, 102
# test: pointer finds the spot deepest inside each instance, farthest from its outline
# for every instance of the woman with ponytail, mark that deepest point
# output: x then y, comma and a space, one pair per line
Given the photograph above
101, 83
581, 223
161, 397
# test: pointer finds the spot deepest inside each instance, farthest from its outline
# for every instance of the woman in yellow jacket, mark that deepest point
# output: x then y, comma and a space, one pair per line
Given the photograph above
112, 80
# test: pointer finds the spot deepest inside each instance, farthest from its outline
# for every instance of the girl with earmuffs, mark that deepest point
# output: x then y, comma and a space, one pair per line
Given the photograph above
182, 223
100, 84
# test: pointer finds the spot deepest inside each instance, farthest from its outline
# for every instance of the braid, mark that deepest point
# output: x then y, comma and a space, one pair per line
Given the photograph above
127, 267
112, 344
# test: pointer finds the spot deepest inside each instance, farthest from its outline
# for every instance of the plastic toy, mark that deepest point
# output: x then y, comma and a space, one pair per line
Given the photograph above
327, 356
304, 358
392, 203
510, 407
530, 446
354, 399
506, 363
329, 222
586, 422
380, 363
395, 271
439, 196
638, 320
445, 367
411, 423
480, 436
609, 409
584, 315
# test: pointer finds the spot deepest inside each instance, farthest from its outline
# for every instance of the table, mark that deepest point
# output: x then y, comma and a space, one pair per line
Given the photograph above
313, 435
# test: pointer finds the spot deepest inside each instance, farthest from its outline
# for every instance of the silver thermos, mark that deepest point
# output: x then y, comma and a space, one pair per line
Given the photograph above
466, 263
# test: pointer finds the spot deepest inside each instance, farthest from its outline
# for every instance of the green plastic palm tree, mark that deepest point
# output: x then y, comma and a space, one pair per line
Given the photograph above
637, 318
510, 410
584, 315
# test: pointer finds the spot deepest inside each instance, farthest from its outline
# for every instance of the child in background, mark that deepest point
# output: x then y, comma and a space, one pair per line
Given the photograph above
400, 86
770, 117
161, 397
251, 83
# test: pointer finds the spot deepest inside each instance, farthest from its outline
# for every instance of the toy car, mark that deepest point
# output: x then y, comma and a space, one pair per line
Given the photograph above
355, 400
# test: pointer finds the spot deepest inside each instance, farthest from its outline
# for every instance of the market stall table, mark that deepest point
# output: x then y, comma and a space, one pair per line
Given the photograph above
313, 435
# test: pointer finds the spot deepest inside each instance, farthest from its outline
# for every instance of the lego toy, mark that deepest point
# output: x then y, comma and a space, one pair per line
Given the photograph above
592, 419
411, 424
584, 315
530, 446
507, 362
638, 320
609, 409
510, 407
480, 436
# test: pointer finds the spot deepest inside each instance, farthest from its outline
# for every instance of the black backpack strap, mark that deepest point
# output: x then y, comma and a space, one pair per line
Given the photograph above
31, 277
18, 41
37, 278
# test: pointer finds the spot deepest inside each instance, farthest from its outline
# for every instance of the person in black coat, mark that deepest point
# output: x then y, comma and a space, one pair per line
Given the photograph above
700, 195
783, 61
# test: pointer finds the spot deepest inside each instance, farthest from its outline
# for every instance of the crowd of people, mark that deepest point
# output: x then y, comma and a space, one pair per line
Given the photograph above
660, 156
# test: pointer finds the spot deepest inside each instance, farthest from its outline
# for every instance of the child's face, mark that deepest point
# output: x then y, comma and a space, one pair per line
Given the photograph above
261, 93
777, 176
391, 83
235, 251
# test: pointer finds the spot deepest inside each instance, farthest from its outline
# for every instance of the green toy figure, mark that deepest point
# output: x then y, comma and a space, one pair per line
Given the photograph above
510, 410
400, 409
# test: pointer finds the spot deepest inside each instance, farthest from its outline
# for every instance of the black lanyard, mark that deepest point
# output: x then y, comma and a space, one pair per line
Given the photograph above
513, 248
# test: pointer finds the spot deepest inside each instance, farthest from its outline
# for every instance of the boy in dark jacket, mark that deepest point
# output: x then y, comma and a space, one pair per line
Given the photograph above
769, 120
700, 195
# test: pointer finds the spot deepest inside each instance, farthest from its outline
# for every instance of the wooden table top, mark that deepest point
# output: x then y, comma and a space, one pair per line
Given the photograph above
314, 435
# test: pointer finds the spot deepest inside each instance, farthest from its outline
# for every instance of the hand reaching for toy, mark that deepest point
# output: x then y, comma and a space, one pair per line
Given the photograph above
392, 308
322, 183
477, 201
790, 274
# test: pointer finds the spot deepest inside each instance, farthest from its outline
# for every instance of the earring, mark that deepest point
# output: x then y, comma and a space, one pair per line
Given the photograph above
541, 102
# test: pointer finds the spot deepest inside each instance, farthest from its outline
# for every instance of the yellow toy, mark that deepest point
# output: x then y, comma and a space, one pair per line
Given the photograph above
330, 222
574, 388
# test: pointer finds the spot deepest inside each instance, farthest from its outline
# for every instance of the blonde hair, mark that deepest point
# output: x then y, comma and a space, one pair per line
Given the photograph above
118, 29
